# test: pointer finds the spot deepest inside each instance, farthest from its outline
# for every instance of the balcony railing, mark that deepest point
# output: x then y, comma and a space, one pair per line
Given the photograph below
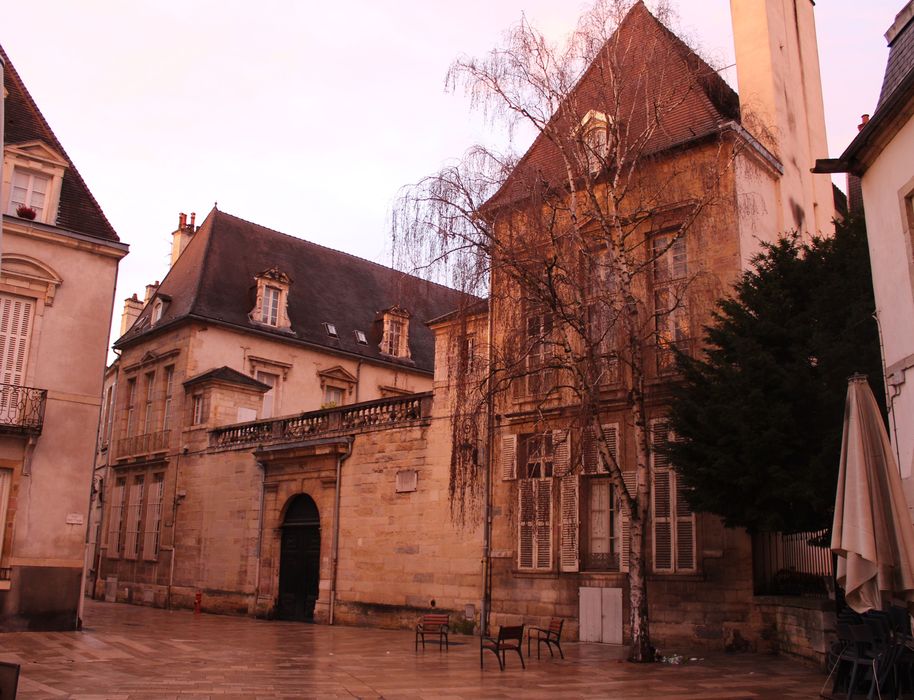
22, 409
371, 415
144, 444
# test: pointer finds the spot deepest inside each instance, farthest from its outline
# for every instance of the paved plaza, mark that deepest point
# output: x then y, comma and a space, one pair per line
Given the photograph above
131, 652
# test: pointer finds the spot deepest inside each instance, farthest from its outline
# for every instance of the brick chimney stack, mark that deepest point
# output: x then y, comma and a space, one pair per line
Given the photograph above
132, 308
182, 235
151, 289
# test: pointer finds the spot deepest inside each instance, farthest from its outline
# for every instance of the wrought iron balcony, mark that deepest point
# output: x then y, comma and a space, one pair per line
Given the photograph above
22, 409
360, 417
144, 444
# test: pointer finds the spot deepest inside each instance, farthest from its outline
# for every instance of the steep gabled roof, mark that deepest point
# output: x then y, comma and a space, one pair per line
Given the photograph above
24, 123
651, 66
214, 280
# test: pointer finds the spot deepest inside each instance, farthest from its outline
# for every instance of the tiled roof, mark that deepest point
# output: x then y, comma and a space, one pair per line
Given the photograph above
651, 66
901, 55
214, 280
23, 123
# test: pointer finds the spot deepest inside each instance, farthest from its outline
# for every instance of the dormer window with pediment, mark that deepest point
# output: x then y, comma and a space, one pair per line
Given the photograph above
595, 139
272, 305
395, 340
33, 176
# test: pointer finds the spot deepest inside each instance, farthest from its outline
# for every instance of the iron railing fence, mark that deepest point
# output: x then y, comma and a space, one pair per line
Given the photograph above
22, 409
147, 443
792, 564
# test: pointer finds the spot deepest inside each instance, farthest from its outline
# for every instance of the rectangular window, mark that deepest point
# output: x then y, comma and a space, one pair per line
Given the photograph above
15, 332
134, 517
538, 460
131, 406
392, 336
147, 407
671, 313
539, 375
6, 482
153, 520
107, 416
672, 519
30, 190
333, 396
116, 518
601, 545
168, 381
269, 405
199, 412
534, 549
269, 312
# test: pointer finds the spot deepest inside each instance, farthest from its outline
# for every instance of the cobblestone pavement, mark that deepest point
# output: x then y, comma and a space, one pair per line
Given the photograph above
131, 652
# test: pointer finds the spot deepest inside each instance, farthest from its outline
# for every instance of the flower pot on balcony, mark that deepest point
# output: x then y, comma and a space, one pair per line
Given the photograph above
24, 212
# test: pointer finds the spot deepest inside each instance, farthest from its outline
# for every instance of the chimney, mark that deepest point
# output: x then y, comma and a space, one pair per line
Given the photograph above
182, 235
151, 289
132, 308
854, 184
864, 118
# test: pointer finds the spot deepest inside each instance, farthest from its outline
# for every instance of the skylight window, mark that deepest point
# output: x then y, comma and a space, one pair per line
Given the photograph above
331, 330
360, 338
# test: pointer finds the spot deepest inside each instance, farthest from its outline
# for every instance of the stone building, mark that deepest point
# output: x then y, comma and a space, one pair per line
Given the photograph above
250, 324
275, 505
59, 266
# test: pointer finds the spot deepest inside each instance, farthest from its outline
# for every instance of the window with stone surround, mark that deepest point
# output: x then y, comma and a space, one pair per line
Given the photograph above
395, 338
672, 520
671, 312
116, 518
152, 521
272, 299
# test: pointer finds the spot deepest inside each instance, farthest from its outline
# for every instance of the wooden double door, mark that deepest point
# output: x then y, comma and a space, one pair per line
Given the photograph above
299, 560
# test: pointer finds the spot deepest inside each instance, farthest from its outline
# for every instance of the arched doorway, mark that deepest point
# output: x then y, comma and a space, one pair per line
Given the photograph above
299, 560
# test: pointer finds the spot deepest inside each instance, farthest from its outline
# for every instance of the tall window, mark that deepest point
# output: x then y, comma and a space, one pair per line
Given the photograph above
131, 406
601, 542
153, 519
672, 519
199, 409
116, 517
30, 190
147, 406
670, 310
107, 416
269, 398
134, 517
269, 312
541, 457
6, 482
168, 381
539, 377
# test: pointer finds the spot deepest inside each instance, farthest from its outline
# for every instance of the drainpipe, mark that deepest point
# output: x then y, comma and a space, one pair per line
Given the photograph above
336, 525
179, 496
487, 525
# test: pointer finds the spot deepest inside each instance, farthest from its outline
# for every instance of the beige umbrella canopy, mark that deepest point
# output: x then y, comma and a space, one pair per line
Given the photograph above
872, 532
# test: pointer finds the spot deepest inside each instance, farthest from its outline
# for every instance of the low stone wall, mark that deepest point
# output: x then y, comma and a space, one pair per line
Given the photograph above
801, 627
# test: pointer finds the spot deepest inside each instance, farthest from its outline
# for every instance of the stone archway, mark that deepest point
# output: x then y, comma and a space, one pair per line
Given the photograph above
299, 560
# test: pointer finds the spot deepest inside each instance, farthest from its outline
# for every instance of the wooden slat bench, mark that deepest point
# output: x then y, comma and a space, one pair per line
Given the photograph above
509, 639
550, 636
433, 624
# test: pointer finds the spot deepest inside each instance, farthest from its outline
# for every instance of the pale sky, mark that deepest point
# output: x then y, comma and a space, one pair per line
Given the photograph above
308, 117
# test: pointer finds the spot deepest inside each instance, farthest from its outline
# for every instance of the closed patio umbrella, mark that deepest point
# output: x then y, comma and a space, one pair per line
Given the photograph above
872, 532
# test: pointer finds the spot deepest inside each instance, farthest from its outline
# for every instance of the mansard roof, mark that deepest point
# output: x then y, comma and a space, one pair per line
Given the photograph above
651, 67
214, 280
24, 124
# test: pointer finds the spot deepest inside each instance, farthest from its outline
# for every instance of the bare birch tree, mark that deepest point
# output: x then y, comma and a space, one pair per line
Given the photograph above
590, 247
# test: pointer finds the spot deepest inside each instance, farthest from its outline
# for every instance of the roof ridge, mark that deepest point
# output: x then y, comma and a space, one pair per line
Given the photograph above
10, 69
335, 251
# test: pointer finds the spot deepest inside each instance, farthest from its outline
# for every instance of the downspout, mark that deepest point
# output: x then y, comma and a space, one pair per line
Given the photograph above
336, 522
487, 485
174, 531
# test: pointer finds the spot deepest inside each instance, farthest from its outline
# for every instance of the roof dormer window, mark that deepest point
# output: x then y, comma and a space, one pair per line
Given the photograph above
595, 140
271, 303
32, 175
395, 340
361, 338
331, 330
158, 306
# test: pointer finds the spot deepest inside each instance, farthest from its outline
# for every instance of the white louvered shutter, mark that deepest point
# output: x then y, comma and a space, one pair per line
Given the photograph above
526, 530
543, 524
625, 530
570, 486
685, 530
15, 329
508, 457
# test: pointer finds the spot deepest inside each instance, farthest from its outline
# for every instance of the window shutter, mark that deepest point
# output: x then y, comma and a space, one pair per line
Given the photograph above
611, 434
526, 523
663, 527
685, 530
590, 454
543, 523
15, 324
508, 457
631, 480
570, 486
561, 452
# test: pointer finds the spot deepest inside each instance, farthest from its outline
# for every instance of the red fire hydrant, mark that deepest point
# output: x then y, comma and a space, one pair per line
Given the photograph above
198, 602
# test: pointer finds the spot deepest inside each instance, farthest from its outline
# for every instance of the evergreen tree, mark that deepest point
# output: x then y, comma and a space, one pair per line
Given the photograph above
759, 415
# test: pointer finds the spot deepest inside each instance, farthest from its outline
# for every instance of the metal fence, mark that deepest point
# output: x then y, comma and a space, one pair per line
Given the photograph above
796, 564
